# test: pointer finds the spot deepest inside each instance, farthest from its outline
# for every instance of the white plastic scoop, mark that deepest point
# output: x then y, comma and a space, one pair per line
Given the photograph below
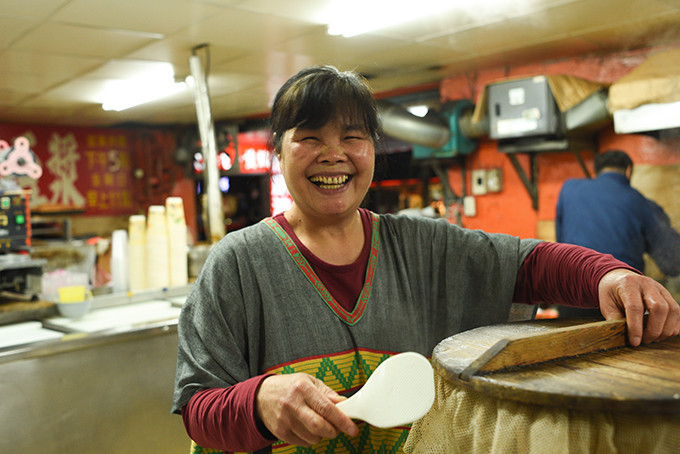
400, 391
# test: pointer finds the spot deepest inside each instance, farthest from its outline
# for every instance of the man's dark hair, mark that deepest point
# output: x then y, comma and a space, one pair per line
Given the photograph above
615, 159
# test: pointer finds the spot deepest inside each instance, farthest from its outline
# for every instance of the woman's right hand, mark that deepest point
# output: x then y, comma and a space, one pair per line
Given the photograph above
300, 410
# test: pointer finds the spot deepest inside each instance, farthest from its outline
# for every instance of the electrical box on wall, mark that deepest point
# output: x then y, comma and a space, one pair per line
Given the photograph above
478, 186
494, 180
458, 144
522, 108
485, 181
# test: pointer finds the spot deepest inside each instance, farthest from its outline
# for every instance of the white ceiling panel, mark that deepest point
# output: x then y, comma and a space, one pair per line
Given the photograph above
177, 50
268, 63
337, 49
236, 28
57, 55
312, 11
164, 17
12, 28
492, 38
25, 83
412, 55
57, 67
222, 83
587, 15
77, 40
647, 31
10, 98
34, 9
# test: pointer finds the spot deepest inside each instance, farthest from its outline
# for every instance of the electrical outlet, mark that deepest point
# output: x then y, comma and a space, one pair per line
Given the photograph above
494, 180
478, 182
469, 206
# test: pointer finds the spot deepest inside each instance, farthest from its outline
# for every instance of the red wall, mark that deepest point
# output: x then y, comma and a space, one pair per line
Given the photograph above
510, 211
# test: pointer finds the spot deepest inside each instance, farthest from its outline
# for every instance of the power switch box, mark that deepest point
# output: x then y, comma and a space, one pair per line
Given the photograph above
478, 182
522, 108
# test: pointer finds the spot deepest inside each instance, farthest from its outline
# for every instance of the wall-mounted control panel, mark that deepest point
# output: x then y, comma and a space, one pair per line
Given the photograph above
15, 221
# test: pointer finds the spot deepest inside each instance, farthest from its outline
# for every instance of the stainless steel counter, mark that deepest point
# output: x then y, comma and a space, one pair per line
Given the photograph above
107, 391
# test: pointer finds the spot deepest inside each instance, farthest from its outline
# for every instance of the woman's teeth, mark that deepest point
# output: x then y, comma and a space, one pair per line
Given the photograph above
330, 182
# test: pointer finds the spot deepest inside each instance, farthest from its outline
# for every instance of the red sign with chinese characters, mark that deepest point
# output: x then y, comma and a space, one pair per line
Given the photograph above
253, 153
83, 169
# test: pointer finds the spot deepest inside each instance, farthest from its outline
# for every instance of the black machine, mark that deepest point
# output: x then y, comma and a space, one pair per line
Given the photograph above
20, 275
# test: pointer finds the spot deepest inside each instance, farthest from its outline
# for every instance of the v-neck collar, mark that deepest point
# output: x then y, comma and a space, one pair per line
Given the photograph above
355, 315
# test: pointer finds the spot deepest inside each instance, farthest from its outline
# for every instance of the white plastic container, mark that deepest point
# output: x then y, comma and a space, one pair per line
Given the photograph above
120, 261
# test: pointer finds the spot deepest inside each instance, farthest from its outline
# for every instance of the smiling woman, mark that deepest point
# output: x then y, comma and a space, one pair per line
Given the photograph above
292, 315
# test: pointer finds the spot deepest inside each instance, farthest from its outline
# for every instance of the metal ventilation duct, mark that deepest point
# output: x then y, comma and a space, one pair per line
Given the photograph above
403, 125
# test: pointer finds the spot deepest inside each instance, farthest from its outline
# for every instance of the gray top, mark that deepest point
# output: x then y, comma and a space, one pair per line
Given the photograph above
253, 309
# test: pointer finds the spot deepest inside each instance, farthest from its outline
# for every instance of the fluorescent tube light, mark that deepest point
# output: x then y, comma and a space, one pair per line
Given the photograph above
158, 82
134, 94
353, 17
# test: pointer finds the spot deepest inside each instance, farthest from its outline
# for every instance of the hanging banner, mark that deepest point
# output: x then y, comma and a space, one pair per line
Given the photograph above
85, 170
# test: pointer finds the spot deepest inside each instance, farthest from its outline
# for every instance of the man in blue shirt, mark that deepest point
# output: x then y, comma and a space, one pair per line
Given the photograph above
608, 215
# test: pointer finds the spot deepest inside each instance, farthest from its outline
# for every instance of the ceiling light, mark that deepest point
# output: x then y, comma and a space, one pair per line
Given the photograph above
353, 17
157, 81
418, 111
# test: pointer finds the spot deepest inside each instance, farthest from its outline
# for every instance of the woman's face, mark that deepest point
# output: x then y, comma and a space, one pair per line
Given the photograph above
327, 170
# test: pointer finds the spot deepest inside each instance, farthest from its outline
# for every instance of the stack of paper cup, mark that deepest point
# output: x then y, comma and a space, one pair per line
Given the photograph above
177, 241
137, 252
157, 269
120, 269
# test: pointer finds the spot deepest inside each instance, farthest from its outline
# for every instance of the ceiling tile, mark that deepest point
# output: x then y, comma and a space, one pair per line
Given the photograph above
545, 51
221, 83
151, 16
411, 55
499, 36
60, 66
658, 30
250, 102
313, 11
236, 28
25, 83
12, 28
177, 50
79, 91
587, 15
462, 17
9, 98
34, 9
268, 63
337, 50
75, 40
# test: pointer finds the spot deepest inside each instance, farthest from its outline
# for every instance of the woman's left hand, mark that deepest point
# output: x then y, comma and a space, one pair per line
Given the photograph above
625, 294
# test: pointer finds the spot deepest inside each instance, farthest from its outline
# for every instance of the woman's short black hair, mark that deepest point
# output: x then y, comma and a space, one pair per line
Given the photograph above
319, 94
616, 159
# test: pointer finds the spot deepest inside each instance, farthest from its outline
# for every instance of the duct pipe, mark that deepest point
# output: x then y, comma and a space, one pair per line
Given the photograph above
206, 129
469, 128
403, 125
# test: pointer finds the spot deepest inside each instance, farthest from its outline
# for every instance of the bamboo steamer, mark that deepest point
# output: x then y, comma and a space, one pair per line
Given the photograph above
570, 363
552, 386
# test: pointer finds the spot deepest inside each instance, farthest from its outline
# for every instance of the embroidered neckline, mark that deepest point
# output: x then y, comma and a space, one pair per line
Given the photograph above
350, 318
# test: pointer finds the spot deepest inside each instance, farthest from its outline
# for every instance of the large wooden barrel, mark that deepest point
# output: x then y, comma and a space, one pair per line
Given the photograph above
552, 386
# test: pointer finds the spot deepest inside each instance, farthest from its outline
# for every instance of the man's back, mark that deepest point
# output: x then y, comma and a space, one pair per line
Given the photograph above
605, 214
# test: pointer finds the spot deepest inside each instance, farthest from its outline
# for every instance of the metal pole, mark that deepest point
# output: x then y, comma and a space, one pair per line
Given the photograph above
206, 129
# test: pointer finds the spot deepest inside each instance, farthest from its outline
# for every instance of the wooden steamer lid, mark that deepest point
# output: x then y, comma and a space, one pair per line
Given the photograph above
572, 363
